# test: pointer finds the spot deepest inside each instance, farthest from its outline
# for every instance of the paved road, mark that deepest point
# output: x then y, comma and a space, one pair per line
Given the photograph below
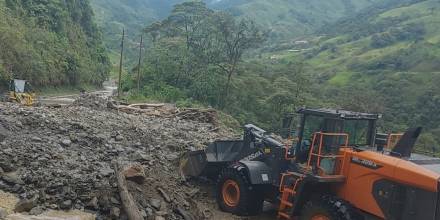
109, 89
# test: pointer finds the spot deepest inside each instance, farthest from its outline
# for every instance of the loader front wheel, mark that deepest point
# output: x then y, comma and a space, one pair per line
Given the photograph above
329, 208
235, 194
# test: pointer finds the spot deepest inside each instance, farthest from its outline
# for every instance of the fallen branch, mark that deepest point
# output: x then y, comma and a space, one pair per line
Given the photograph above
147, 105
128, 203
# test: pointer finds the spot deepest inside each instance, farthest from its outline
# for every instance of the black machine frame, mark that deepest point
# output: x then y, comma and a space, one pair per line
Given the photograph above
265, 162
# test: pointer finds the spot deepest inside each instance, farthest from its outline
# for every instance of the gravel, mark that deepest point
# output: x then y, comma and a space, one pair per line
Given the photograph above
61, 158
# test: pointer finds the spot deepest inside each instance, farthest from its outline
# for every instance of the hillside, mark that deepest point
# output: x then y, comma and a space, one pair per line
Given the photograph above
283, 19
50, 43
134, 15
370, 56
296, 18
388, 59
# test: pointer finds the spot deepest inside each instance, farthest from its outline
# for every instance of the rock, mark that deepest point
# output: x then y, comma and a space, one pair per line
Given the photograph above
3, 133
155, 203
66, 142
193, 192
135, 173
17, 188
164, 194
114, 201
115, 212
104, 203
3, 213
144, 214
24, 205
159, 218
119, 138
66, 204
141, 157
7, 166
106, 171
36, 139
12, 178
149, 211
184, 214
36, 210
64, 156
207, 214
93, 204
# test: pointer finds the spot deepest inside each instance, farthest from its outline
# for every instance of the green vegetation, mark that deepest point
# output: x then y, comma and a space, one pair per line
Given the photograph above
133, 15
385, 60
196, 58
295, 18
240, 56
284, 20
50, 43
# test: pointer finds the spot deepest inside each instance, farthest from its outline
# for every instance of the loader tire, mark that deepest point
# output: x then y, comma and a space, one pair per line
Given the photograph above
236, 195
329, 208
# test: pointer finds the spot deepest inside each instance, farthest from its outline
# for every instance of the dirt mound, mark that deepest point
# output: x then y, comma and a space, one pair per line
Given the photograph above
90, 100
199, 115
62, 158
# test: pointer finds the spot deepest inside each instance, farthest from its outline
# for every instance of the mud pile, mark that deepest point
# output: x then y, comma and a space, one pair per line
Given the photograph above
63, 158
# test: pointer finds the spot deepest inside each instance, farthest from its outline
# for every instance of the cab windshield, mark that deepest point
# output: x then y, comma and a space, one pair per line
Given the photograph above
358, 130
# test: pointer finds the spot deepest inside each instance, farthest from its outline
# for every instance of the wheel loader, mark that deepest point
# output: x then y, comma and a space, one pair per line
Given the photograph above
338, 168
20, 92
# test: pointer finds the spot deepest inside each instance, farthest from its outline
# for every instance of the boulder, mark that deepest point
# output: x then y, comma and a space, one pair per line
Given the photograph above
66, 142
12, 178
3, 133
135, 173
25, 205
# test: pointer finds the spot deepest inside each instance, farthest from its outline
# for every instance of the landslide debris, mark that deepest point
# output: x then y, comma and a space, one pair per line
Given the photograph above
61, 158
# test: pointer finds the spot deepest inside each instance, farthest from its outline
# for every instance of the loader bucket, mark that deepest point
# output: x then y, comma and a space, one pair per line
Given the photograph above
193, 163
214, 158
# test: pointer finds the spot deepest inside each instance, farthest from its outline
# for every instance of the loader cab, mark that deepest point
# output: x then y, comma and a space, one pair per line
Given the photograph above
359, 127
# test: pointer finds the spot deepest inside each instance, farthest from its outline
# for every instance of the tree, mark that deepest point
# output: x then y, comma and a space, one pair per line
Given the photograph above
210, 39
428, 112
190, 23
382, 40
154, 30
359, 99
51, 43
236, 37
427, 143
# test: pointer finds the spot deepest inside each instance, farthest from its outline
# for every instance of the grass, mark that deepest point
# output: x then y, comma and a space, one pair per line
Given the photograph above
349, 61
415, 10
341, 79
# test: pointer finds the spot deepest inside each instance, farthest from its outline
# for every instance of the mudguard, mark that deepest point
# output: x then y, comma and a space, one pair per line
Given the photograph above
259, 172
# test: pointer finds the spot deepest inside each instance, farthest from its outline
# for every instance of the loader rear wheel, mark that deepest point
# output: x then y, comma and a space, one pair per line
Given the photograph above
328, 208
235, 194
